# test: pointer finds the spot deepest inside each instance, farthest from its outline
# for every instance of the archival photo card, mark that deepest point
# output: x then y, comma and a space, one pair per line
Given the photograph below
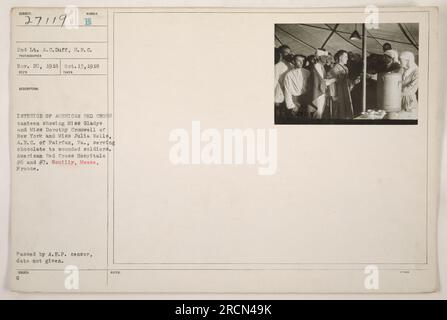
161, 150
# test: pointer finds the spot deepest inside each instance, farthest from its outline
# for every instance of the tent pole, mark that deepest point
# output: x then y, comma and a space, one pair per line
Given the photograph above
364, 36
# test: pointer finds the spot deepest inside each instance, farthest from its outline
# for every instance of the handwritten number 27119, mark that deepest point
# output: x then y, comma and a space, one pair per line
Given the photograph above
38, 20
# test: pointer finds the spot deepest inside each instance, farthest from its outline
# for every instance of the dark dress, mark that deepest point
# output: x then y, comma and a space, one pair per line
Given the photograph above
341, 93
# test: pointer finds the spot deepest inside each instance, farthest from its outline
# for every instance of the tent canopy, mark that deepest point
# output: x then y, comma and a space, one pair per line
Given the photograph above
306, 38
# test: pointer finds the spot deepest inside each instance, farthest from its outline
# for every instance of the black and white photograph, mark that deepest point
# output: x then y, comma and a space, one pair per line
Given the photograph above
346, 73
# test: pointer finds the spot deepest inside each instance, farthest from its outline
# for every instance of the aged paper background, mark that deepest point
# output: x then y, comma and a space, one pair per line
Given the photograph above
407, 135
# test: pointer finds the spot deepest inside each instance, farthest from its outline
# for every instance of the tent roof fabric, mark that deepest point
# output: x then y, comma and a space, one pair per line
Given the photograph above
306, 38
